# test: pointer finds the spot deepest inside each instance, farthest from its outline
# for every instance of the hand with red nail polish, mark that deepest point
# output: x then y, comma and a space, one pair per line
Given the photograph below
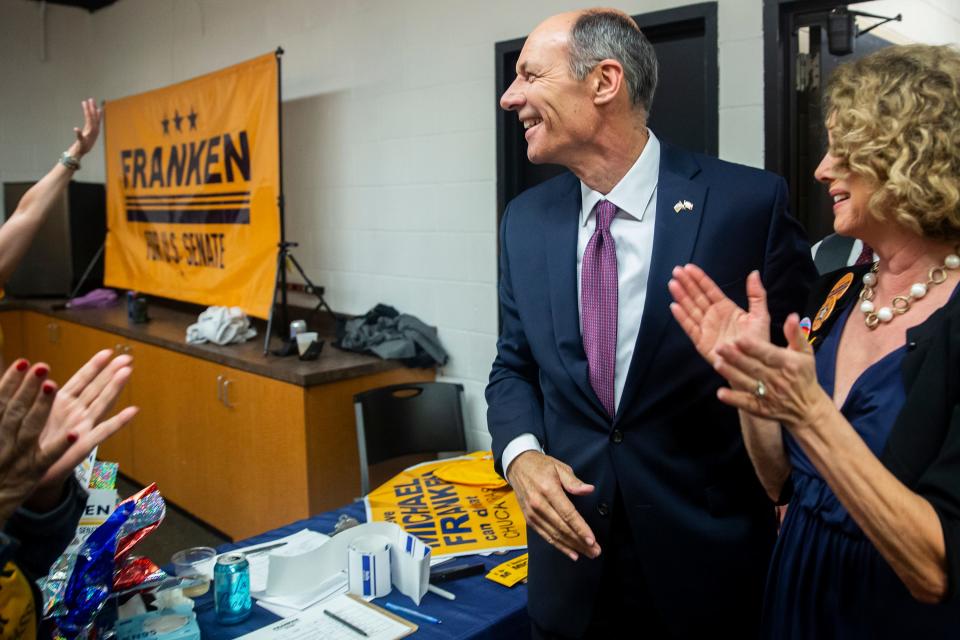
80, 410
46, 431
24, 411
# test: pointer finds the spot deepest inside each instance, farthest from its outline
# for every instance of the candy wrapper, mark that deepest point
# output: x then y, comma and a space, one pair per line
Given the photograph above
104, 475
136, 571
91, 579
147, 516
77, 587
84, 470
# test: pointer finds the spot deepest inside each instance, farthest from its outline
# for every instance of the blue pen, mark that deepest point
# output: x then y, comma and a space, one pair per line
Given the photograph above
410, 612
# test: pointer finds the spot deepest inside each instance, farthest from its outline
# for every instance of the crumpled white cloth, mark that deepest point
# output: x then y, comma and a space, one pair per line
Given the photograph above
221, 325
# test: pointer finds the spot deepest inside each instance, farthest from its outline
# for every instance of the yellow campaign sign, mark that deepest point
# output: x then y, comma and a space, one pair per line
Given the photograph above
452, 518
192, 188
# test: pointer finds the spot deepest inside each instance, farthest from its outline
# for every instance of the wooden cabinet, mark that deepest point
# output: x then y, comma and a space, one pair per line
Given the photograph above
226, 444
67, 346
243, 452
11, 323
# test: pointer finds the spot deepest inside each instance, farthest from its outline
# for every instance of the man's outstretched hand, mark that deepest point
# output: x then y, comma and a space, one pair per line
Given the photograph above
542, 484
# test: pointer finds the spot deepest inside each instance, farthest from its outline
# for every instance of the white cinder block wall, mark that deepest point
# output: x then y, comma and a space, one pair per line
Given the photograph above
389, 158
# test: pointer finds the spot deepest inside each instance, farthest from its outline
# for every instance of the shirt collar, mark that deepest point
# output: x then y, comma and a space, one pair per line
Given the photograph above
633, 193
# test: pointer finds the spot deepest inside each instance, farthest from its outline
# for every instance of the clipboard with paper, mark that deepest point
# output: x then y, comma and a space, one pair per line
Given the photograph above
348, 611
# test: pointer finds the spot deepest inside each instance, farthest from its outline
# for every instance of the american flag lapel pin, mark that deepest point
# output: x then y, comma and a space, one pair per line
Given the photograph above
677, 208
688, 205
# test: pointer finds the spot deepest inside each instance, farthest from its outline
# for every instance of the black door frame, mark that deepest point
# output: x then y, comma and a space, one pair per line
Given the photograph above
668, 20
779, 74
783, 146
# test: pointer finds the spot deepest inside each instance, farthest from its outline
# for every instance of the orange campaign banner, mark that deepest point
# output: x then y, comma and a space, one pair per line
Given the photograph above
192, 188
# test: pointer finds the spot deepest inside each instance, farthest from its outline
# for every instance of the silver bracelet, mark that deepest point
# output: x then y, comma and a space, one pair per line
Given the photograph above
69, 161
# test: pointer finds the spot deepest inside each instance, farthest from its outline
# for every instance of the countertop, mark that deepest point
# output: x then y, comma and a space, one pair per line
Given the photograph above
167, 328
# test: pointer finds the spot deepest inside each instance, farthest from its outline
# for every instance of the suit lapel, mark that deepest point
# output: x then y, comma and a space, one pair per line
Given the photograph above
675, 234
563, 218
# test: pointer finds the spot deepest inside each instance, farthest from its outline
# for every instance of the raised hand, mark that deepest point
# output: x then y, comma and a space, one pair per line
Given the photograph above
709, 317
87, 135
791, 395
26, 400
542, 484
79, 408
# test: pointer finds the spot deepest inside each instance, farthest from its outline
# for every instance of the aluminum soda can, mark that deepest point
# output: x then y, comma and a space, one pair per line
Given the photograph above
231, 588
297, 327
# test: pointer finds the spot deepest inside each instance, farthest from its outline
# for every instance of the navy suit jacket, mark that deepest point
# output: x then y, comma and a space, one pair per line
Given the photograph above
702, 523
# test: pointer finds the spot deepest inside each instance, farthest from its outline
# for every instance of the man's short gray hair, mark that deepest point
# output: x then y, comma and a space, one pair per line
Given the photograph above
601, 35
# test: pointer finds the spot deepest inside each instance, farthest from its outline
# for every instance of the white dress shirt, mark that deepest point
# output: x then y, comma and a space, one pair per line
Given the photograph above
855, 250
632, 230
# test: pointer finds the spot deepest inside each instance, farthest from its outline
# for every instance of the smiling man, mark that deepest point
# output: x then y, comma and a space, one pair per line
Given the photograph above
643, 509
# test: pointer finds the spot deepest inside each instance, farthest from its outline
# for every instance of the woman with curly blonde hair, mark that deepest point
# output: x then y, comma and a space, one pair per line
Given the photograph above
857, 420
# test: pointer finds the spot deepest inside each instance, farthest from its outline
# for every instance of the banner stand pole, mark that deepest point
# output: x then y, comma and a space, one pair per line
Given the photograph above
280, 282
86, 272
284, 247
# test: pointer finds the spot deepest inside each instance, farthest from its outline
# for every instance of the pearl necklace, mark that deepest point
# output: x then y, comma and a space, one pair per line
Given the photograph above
901, 304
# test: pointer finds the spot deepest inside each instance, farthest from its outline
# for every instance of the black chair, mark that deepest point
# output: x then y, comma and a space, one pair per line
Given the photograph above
404, 419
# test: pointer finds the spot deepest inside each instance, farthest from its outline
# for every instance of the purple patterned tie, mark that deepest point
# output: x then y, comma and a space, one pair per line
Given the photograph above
866, 255
598, 305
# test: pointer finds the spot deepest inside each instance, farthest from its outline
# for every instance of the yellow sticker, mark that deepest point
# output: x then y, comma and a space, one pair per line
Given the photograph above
510, 572
841, 287
824, 313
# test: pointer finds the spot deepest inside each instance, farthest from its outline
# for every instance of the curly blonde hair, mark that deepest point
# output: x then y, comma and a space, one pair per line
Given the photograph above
894, 119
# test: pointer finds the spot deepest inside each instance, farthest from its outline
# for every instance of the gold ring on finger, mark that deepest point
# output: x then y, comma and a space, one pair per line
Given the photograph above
760, 390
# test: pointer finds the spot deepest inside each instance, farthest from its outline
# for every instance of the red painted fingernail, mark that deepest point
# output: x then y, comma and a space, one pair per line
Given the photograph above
41, 371
72, 437
22, 365
48, 388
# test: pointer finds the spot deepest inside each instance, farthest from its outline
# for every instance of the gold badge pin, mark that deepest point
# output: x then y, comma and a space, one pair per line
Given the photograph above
836, 292
841, 286
824, 313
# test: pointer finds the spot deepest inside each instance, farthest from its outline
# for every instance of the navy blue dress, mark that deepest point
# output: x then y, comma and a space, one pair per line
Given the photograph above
826, 579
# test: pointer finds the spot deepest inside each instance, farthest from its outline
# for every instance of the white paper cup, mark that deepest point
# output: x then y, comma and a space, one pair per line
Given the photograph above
368, 566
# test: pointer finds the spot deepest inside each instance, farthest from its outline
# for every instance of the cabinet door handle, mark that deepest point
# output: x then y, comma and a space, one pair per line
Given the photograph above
220, 388
53, 332
226, 393
127, 348
118, 348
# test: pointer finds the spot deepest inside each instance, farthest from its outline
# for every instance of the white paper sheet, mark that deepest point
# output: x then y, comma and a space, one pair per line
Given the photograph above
294, 544
314, 624
297, 602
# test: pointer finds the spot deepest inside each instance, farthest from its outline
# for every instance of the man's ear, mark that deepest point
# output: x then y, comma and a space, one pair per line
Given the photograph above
607, 79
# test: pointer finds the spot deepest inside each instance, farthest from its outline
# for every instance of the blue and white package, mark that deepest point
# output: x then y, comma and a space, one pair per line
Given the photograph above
178, 623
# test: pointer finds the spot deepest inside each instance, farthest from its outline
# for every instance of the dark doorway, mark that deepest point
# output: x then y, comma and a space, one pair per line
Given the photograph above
685, 106
797, 65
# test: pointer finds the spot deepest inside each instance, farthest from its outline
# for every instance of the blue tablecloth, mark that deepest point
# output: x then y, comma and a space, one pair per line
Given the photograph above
483, 609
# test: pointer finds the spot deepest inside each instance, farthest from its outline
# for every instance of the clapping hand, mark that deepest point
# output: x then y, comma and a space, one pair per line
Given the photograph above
788, 377
81, 405
26, 400
46, 432
709, 317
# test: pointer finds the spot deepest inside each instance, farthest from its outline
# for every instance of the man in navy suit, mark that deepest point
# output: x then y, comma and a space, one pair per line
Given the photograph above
595, 383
